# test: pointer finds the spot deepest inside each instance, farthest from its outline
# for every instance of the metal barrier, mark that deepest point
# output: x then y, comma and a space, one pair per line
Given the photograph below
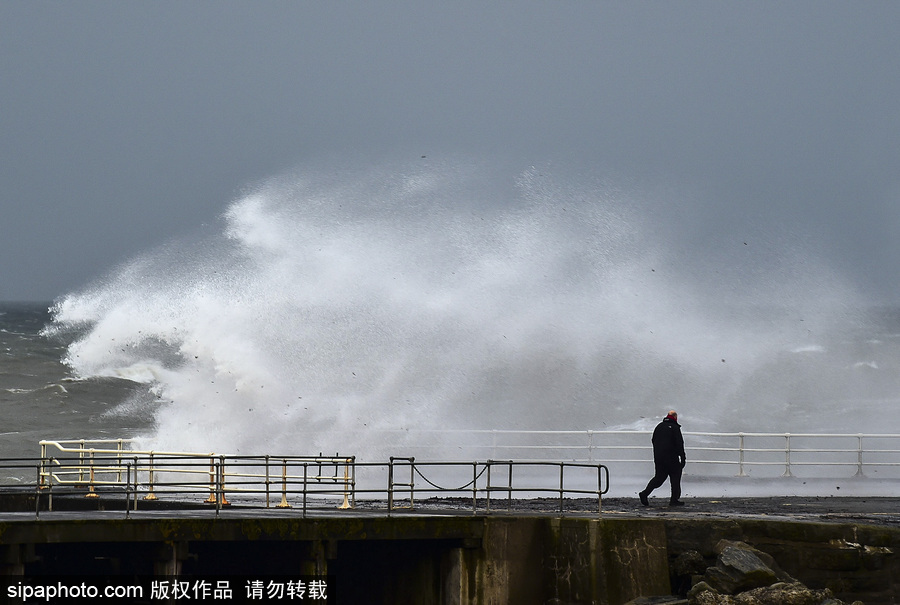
817, 454
90, 466
520, 463
183, 476
739, 454
483, 470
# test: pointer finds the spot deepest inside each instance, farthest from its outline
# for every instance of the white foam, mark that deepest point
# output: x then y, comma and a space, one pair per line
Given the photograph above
438, 297
809, 349
866, 364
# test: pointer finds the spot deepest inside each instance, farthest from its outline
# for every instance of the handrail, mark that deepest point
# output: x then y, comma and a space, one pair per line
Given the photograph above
742, 451
482, 469
513, 457
182, 475
325, 484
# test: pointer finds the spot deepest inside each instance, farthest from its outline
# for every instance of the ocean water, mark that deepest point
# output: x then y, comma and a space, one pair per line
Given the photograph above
326, 306
39, 396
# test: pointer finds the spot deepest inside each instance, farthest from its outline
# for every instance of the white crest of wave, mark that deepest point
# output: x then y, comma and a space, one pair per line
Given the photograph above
329, 306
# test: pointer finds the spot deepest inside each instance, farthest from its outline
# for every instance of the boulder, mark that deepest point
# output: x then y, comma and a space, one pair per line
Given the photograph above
689, 563
783, 593
710, 597
765, 557
780, 593
737, 570
702, 592
686, 570
744, 575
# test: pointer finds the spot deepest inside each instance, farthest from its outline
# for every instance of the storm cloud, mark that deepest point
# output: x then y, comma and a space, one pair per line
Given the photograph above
124, 125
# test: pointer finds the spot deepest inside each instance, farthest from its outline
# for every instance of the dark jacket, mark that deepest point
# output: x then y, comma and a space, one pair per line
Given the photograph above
668, 444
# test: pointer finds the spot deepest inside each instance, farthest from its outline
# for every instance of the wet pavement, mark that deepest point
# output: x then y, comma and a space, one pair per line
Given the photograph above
879, 510
870, 510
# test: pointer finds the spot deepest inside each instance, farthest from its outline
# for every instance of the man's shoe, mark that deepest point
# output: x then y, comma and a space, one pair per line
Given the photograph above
676, 503
643, 497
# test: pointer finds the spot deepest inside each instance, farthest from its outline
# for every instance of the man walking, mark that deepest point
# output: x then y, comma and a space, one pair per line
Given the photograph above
668, 458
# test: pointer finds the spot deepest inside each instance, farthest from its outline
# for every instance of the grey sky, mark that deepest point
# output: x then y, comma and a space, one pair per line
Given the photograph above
125, 124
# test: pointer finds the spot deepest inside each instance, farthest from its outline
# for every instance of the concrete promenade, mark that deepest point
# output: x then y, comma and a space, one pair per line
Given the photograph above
879, 510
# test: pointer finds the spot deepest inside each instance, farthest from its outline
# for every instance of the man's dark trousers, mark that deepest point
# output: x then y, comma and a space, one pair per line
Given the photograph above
666, 469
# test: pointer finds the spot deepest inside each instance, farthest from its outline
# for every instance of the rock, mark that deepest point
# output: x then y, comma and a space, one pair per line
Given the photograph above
744, 575
739, 569
689, 563
764, 557
700, 587
780, 593
704, 594
711, 598
783, 593
686, 568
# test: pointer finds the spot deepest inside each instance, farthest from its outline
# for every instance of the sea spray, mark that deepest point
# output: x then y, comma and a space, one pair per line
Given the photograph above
328, 306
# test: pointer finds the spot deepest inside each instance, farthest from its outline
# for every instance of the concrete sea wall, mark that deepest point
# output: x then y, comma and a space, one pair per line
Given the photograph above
453, 559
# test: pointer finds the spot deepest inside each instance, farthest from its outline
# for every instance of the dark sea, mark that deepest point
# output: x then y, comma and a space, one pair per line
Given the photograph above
40, 398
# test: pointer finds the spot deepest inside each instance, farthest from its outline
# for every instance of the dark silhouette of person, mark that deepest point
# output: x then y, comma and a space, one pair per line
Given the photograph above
668, 458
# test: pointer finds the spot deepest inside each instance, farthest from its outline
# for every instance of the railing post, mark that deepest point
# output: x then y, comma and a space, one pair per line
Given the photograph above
487, 491
741, 455
787, 455
305, 486
859, 460
119, 461
37, 494
391, 483
284, 502
591, 446
412, 482
41, 468
509, 491
212, 481
222, 500
91, 493
346, 503
353, 481
599, 489
217, 501
561, 467
50, 496
81, 463
127, 490
268, 481
150, 494
136, 482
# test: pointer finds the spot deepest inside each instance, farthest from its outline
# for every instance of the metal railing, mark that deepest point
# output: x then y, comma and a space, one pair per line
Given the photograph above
739, 454
857, 454
519, 463
108, 466
93, 467
533, 472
